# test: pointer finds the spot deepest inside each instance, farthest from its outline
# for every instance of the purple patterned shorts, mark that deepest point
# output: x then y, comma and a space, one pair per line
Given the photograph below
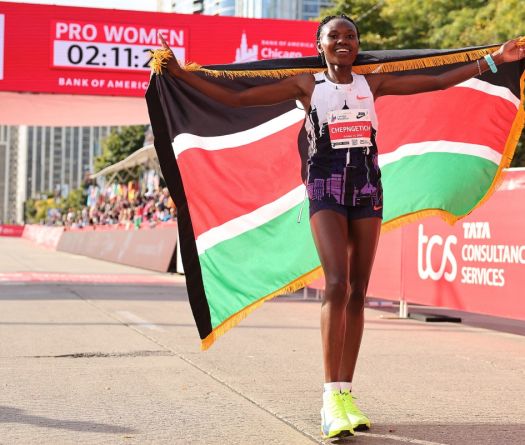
349, 212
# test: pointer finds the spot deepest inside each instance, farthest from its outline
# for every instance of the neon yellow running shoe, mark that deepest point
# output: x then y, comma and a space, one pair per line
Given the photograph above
334, 420
358, 420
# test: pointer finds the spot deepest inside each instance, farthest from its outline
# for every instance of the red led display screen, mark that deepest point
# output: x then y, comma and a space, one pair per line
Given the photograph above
70, 50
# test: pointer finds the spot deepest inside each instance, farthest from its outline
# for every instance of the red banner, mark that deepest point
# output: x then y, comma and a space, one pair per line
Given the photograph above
477, 265
56, 49
11, 230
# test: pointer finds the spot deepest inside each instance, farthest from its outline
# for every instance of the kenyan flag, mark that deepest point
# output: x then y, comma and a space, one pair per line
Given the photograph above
236, 175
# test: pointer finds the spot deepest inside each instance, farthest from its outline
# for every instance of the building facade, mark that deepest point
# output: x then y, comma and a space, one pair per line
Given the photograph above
36, 161
220, 7
268, 9
277, 9
188, 6
58, 158
9, 175
310, 9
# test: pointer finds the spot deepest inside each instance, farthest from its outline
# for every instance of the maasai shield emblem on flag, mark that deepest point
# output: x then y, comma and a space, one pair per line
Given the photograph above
235, 174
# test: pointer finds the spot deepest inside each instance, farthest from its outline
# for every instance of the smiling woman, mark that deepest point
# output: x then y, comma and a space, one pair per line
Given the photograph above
343, 183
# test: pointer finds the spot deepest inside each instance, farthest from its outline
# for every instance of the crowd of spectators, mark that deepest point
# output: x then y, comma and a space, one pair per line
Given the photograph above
127, 205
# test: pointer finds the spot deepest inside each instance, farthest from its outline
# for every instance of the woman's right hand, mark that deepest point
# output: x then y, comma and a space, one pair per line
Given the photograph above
172, 66
294, 87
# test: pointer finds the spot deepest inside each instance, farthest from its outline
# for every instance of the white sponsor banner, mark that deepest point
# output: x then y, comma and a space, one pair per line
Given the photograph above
105, 55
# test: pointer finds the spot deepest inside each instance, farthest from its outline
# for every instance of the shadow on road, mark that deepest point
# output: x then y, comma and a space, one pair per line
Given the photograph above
16, 415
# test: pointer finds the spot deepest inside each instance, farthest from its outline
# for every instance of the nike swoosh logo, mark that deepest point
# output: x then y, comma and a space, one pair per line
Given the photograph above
362, 97
378, 207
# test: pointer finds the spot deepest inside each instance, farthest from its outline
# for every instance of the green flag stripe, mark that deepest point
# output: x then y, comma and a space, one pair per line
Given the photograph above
411, 184
244, 269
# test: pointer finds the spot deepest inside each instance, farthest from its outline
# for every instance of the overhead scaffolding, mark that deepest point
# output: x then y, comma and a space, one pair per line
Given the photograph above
145, 157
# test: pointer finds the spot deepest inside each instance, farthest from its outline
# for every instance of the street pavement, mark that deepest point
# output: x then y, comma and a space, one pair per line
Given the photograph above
103, 363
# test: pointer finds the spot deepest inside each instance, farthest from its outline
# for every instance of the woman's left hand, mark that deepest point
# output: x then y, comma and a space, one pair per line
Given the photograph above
510, 51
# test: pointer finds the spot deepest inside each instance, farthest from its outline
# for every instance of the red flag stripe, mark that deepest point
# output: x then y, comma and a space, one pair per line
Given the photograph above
219, 172
210, 176
457, 114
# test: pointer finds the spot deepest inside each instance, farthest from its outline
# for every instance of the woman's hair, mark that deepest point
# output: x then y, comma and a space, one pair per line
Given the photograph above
330, 18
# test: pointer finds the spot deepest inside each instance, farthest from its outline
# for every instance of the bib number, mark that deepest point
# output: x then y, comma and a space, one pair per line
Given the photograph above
350, 128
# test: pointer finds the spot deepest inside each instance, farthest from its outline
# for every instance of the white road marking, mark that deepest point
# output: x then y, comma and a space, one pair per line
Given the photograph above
401, 439
137, 321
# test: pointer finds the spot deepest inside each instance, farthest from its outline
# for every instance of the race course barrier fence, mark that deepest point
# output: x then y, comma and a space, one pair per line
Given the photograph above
11, 230
153, 249
147, 248
476, 265
46, 236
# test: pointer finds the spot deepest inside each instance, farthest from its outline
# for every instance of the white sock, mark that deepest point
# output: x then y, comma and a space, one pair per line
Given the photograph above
331, 386
345, 386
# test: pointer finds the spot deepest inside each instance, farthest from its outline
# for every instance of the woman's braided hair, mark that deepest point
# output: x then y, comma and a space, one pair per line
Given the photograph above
324, 22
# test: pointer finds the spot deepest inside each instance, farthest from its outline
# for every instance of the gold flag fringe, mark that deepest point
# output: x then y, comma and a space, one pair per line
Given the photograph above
159, 59
424, 62
510, 147
235, 319
232, 74
508, 153
386, 67
416, 216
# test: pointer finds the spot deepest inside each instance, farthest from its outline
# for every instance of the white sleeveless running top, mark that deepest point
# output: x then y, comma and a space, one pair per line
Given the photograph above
329, 96
343, 169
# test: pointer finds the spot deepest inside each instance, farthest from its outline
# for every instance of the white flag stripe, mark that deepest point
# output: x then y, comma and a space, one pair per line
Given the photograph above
185, 141
266, 213
422, 148
250, 221
493, 90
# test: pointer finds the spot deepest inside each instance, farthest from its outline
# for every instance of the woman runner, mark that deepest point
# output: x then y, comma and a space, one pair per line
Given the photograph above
343, 185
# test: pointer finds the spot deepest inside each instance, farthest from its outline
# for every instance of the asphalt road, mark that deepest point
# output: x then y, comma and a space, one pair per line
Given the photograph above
120, 364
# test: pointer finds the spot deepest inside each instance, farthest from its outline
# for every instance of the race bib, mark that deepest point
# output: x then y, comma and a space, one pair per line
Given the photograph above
350, 128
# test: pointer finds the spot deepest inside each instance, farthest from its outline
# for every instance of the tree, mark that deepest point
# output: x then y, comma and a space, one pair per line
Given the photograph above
30, 210
119, 145
399, 24
42, 206
491, 22
76, 199
373, 27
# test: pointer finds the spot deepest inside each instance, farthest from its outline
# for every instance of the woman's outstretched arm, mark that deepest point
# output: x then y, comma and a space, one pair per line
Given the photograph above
388, 84
298, 87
